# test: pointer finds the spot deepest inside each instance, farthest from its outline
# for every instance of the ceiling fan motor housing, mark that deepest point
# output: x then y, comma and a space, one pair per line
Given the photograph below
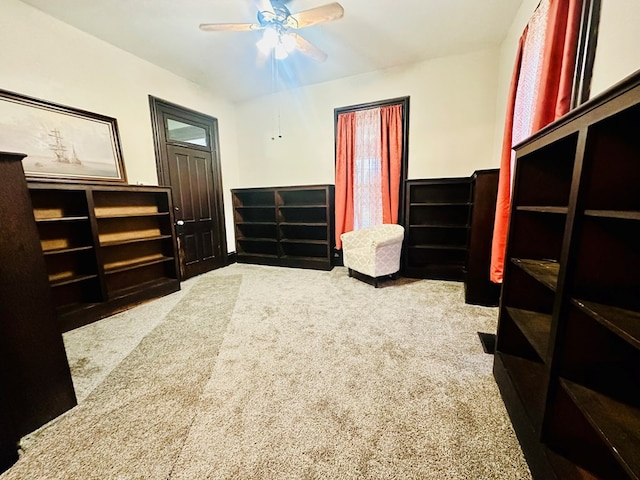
279, 18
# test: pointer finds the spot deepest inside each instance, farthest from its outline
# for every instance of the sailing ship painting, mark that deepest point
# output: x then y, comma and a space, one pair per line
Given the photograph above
60, 149
60, 142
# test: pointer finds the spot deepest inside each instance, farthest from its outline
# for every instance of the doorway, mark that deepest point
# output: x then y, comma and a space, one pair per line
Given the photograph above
188, 160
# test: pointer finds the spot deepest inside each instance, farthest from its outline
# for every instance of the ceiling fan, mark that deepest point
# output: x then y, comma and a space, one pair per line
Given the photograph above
279, 24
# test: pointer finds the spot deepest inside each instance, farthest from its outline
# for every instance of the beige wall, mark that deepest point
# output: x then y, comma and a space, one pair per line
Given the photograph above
617, 53
48, 59
458, 106
452, 114
457, 103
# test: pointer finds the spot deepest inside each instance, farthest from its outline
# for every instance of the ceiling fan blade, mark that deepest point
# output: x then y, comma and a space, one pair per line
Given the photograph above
264, 6
314, 16
308, 48
229, 27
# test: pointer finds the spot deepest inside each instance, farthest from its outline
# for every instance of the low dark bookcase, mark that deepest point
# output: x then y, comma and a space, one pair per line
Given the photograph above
106, 248
567, 357
285, 226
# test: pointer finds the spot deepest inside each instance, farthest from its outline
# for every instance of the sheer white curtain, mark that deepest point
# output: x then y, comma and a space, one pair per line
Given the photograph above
367, 175
529, 80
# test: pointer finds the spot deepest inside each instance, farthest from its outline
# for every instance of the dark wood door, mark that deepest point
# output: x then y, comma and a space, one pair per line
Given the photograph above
188, 161
191, 176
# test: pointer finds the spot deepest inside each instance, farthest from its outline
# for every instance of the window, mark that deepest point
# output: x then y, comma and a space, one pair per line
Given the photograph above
371, 159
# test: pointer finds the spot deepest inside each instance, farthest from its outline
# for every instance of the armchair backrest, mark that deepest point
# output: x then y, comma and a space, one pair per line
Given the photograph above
375, 250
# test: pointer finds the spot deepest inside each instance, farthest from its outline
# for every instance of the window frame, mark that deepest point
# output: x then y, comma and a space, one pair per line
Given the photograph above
404, 101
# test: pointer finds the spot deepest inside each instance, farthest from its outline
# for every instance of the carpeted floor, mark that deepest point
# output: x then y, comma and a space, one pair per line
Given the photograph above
258, 372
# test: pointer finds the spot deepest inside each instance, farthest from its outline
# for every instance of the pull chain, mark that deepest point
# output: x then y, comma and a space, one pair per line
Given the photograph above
275, 77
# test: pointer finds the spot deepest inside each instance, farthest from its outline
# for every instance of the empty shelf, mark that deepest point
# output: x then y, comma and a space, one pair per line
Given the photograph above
545, 271
617, 423
535, 326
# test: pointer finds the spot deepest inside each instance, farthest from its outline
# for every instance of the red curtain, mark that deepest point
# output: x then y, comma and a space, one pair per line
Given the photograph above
501, 224
391, 136
391, 132
345, 155
552, 100
559, 61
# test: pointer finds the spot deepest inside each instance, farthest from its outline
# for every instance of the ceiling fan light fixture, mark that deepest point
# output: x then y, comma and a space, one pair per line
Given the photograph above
288, 42
270, 39
281, 51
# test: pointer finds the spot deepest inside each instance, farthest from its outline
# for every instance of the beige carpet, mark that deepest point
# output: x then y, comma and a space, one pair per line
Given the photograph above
273, 373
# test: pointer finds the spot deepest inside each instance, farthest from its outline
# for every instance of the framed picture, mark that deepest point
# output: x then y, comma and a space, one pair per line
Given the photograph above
61, 143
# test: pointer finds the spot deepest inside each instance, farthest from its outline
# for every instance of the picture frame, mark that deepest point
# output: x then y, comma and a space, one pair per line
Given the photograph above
62, 144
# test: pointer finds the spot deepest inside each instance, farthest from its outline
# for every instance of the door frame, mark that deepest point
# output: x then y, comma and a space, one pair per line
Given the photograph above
159, 107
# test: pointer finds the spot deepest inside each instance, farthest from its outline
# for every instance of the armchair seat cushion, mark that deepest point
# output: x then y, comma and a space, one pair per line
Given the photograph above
373, 251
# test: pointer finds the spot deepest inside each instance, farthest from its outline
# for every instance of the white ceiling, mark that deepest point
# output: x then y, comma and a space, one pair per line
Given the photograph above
373, 35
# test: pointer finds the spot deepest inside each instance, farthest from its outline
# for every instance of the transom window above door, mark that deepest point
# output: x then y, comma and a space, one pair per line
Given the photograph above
179, 131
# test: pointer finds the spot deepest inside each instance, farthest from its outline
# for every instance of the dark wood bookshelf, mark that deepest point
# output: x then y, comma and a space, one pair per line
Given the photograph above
99, 241
437, 228
285, 226
570, 309
449, 225
35, 379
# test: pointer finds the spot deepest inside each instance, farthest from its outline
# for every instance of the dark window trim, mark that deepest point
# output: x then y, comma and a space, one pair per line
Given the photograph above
586, 52
160, 109
404, 101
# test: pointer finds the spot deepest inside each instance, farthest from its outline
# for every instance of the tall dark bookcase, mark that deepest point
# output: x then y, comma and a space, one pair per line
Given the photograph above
478, 288
568, 348
285, 226
35, 380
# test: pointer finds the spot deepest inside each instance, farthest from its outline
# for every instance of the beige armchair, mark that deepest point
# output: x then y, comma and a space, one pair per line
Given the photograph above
373, 251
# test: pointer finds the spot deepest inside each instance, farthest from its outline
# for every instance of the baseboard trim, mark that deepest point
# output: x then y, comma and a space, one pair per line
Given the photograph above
232, 257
